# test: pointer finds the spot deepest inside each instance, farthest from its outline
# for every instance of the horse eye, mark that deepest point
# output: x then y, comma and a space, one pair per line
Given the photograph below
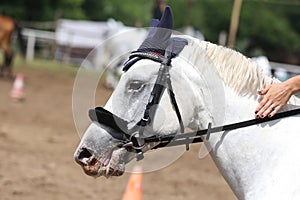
135, 86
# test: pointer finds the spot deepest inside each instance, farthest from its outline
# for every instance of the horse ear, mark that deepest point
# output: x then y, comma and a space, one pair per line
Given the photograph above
154, 22
166, 20
158, 37
159, 33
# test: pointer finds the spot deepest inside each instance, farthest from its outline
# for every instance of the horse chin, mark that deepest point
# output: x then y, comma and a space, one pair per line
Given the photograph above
111, 164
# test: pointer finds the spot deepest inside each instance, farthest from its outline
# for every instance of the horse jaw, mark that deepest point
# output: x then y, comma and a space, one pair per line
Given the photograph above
99, 153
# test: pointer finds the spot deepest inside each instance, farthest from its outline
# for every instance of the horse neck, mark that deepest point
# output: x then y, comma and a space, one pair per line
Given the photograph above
220, 104
236, 78
237, 107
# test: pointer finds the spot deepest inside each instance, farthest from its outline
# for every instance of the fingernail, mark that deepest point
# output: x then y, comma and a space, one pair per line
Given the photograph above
270, 116
256, 112
256, 116
262, 116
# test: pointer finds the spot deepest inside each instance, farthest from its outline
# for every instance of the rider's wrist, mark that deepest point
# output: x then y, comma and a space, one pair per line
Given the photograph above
291, 86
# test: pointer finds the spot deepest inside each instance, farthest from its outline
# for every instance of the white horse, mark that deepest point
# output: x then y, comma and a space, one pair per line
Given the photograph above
258, 162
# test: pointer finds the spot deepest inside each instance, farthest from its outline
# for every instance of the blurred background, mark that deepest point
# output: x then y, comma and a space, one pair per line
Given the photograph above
267, 27
67, 30
37, 133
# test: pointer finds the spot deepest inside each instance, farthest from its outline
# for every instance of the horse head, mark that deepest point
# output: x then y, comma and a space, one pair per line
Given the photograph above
140, 106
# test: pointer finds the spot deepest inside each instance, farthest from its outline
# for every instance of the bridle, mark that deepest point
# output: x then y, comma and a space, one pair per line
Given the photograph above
134, 139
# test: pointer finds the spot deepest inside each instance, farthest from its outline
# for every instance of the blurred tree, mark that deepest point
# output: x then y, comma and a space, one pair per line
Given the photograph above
12, 8
271, 27
70, 8
94, 10
130, 12
42, 10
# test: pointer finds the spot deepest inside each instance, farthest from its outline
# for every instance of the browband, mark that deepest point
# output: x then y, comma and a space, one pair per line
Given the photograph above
155, 54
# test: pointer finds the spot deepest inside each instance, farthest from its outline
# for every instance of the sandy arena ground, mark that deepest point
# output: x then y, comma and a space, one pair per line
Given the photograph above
38, 139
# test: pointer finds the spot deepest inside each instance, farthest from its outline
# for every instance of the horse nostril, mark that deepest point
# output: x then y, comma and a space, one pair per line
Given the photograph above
83, 156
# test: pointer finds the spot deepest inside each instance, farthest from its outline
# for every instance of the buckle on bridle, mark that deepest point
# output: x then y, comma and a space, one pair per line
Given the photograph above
208, 131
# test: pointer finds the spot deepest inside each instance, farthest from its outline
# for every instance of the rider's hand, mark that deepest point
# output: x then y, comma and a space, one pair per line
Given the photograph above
274, 97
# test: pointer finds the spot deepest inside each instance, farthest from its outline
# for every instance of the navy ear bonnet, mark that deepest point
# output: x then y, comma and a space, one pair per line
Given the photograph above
157, 41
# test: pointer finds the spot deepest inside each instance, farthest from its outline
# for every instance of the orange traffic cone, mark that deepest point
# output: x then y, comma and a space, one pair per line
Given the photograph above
17, 93
134, 187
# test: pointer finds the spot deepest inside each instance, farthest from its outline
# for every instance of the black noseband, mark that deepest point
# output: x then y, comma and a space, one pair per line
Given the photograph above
103, 116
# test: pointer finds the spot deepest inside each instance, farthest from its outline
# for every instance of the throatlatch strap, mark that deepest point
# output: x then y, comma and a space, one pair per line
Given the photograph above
175, 105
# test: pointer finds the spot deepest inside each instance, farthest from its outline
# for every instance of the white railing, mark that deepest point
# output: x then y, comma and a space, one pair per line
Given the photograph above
33, 35
295, 69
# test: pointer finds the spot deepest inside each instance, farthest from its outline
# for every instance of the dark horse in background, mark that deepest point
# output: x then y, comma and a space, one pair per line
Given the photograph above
7, 27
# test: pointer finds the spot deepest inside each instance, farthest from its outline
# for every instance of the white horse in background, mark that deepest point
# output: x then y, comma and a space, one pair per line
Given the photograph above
264, 64
191, 31
212, 84
111, 54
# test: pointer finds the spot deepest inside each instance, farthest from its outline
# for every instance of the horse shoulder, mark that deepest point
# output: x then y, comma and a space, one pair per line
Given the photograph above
261, 162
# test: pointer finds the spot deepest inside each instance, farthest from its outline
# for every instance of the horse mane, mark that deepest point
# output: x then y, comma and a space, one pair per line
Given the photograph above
238, 72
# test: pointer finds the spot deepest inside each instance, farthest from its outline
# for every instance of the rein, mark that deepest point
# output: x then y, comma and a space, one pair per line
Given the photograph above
195, 137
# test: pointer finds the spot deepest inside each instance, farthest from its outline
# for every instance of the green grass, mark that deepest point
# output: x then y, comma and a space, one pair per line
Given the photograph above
48, 65
54, 67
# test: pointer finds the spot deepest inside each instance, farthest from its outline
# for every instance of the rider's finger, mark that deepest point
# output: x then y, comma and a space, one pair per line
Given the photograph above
265, 110
261, 105
276, 109
264, 91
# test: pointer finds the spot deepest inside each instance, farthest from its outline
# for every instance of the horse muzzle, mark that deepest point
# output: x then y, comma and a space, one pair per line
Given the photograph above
109, 164
100, 154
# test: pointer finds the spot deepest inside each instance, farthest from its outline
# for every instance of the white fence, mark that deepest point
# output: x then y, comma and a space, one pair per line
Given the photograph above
32, 36
294, 69
76, 38
72, 39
